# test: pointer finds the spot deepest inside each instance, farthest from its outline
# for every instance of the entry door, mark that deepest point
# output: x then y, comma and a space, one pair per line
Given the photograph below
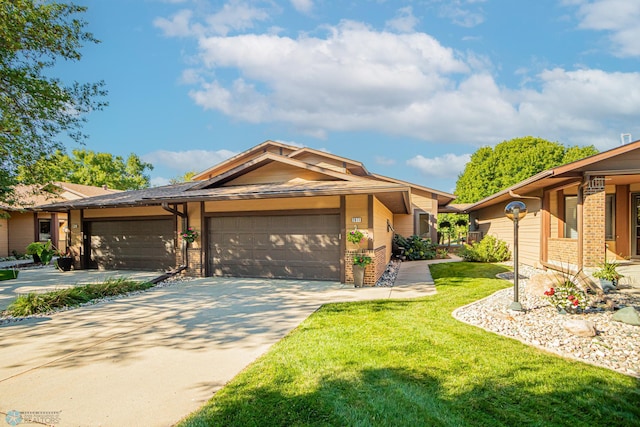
636, 224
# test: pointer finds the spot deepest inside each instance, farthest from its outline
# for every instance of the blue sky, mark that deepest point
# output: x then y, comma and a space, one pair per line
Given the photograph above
410, 88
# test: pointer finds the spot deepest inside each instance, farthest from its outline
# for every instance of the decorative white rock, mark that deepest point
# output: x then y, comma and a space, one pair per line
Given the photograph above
581, 328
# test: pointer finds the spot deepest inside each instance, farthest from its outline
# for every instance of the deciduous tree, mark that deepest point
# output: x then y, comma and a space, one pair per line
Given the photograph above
36, 108
493, 169
89, 168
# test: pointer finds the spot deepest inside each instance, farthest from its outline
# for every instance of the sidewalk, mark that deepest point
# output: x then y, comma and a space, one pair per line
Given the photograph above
415, 277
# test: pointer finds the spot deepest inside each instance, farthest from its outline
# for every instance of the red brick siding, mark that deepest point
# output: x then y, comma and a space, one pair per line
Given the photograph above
563, 251
373, 271
593, 239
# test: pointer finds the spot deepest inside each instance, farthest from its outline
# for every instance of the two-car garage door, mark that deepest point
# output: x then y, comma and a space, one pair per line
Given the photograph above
275, 246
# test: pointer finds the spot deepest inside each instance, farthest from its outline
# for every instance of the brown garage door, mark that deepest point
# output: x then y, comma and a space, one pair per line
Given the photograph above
132, 245
275, 246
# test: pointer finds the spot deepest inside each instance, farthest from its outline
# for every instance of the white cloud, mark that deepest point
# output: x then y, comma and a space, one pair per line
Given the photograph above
354, 78
185, 161
463, 12
385, 161
236, 15
177, 26
159, 181
447, 166
404, 22
619, 18
302, 6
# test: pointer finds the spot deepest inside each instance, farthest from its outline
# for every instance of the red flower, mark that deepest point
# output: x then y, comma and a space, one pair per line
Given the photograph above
576, 302
572, 297
550, 292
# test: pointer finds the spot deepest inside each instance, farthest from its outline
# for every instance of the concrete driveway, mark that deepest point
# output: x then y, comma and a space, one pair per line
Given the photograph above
152, 358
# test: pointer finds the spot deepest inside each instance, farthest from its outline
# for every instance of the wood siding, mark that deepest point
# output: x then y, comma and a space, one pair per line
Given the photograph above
21, 231
125, 212
4, 237
421, 202
403, 224
357, 207
276, 172
381, 235
291, 203
493, 221
322, 162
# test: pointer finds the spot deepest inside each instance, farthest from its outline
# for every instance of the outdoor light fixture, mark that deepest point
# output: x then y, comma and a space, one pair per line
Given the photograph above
515, 211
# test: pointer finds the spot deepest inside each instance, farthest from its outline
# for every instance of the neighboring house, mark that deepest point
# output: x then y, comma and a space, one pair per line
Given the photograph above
275, 210
26, 223
578, 213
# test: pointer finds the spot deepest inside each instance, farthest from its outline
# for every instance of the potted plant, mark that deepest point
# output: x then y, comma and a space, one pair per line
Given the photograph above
64, 261
360, 260
189, 235
41, 252
360, 263
32, 249
608, 275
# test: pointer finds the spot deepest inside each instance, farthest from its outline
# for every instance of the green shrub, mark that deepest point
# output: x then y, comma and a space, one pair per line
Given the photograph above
32, 303
415, 247
489, 249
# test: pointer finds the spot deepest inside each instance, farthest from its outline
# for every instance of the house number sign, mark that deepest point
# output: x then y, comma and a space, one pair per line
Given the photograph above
596, 185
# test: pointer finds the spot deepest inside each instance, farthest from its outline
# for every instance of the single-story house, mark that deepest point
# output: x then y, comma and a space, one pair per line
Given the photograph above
275, 211
578, 214
21, 225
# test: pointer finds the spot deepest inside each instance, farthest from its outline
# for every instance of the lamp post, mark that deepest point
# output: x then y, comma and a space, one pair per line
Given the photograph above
515, 211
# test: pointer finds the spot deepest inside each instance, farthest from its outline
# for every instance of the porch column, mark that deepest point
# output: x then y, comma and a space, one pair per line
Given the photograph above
593, 221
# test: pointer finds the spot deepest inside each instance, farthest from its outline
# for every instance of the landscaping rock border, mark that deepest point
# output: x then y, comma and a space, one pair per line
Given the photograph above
615, 345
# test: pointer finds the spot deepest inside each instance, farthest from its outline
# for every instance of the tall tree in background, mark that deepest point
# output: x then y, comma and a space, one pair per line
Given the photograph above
35, 108
183, 178
88, 168
493, 169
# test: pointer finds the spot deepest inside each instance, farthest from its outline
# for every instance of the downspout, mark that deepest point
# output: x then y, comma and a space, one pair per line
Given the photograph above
174, 211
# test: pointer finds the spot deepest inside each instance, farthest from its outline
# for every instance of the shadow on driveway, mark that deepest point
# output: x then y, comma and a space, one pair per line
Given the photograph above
152, 358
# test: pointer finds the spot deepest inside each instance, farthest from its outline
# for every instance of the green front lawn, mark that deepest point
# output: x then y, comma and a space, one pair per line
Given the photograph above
410, 363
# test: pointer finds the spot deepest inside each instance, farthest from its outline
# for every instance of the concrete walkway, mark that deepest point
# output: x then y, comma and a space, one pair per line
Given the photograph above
151, 359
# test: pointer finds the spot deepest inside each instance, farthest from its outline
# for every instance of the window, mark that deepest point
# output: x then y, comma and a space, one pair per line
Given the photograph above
423, 224
571, 217
44, 230
610, 217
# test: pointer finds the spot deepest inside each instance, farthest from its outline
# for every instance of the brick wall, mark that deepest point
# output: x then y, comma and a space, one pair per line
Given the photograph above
593, 238
563, 251
195, 266
373, 271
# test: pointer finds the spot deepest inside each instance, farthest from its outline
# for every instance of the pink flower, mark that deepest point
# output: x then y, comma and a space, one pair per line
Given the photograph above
571, 297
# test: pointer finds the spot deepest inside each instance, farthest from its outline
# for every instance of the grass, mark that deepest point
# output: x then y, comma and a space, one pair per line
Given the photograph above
35, 303
397, 363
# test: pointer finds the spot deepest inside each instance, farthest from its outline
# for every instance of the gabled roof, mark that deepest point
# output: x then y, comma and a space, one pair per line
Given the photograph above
622, 160
240, 158
443, 198
265, 159
394, 196
352, 166
33, 195
272, 170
